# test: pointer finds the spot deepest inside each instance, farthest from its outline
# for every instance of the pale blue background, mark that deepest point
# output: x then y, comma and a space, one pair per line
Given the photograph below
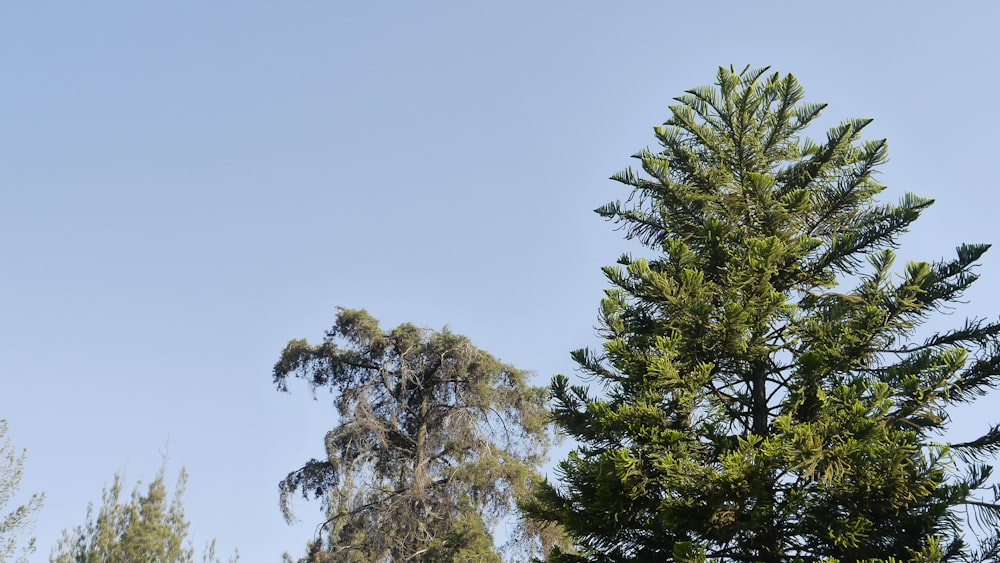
188, 185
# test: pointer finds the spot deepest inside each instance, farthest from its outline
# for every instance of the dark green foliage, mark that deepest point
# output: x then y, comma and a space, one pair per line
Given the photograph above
765, 396
435, 442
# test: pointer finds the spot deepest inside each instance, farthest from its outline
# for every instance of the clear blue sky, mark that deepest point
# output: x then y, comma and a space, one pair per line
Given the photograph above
188, 185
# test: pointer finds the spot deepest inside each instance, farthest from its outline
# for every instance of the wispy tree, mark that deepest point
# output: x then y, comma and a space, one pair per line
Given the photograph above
15, 522
435, 442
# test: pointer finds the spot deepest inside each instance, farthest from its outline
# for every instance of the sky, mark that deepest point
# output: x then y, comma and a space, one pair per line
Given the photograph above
187, 185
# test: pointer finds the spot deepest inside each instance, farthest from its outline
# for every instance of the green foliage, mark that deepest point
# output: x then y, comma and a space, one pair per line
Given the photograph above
148, 527
466, 540
765, 395
16, 522
436, 441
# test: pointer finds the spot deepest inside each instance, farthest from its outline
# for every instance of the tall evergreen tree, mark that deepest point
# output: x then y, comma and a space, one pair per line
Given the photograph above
765, 395
436, 440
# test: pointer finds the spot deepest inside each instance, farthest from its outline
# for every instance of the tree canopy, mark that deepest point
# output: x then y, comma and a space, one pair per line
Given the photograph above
770, 388
149, 527
436, 440
16, 522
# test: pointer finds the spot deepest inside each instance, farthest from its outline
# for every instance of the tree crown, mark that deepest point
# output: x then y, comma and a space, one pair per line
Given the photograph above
436, 440
765, 398
18, 521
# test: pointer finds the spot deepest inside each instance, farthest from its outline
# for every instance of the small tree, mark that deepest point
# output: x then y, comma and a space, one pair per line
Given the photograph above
755, 409
19, 521
435, 442
148, 527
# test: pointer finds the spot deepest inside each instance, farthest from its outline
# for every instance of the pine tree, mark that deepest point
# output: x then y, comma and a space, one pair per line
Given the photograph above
436, 440
765, 394
149, 527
